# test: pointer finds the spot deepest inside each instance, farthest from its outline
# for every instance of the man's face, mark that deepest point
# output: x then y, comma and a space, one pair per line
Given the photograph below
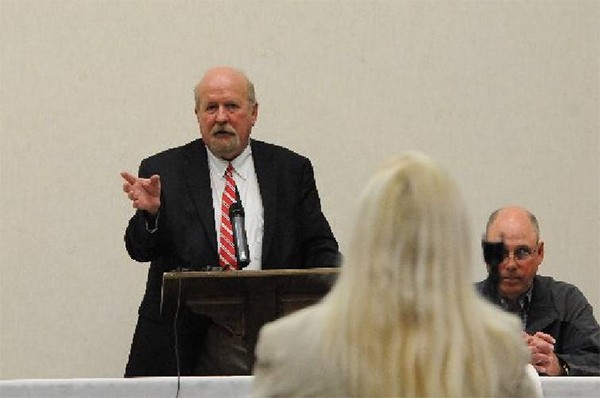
224, 113
524, 252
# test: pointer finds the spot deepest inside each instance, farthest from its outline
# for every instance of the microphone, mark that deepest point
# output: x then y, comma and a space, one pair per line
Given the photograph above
493, 255
237, 215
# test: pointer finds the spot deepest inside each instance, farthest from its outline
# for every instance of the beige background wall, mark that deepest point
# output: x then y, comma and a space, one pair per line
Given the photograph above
503, 94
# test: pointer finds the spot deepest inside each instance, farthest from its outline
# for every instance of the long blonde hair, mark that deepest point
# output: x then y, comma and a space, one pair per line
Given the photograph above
404, 318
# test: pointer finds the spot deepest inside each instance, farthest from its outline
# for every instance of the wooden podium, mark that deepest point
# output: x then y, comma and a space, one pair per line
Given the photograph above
243, 301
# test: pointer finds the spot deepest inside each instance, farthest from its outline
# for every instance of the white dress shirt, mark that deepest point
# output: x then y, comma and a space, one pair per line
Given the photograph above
247, 185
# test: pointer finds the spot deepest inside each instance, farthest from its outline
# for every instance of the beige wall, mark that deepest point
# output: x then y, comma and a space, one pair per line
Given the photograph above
504, 94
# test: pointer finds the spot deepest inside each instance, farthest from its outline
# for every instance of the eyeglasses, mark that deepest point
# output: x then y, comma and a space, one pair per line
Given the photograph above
520, 253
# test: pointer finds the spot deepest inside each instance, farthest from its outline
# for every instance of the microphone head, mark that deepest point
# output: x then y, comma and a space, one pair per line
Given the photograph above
236, 209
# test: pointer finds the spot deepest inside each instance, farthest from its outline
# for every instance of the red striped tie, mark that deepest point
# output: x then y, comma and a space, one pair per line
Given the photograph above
227, 258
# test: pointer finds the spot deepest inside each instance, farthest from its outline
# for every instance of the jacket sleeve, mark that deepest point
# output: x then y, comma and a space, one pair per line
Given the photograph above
143, 244
318, 244
579, 344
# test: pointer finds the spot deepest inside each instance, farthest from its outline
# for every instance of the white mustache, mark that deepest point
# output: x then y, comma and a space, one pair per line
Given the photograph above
223, 129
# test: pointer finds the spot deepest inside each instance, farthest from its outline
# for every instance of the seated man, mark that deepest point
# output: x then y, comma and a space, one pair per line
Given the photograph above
560, 329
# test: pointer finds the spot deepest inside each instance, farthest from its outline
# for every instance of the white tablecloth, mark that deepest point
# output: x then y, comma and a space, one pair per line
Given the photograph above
215, 387
567, 387
150, 387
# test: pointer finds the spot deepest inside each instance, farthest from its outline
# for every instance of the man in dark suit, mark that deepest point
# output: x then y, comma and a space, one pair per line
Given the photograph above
178, 194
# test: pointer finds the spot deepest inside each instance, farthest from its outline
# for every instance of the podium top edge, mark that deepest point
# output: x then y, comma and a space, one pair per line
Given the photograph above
250, 273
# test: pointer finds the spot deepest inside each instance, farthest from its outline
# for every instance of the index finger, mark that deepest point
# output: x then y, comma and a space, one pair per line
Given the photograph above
130, 178
545, 337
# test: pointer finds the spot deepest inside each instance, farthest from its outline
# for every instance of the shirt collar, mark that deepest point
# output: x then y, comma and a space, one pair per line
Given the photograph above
523, 299
240, 164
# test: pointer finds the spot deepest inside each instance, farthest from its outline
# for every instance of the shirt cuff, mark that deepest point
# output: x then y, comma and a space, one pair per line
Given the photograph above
151, 221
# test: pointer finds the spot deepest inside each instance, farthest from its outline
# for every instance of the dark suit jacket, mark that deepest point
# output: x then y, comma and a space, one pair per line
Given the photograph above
562, 311
296, 233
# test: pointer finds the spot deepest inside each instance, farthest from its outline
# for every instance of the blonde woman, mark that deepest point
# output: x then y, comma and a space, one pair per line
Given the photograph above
403, 319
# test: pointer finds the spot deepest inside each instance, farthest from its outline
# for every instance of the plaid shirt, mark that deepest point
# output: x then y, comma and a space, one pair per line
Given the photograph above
519, 306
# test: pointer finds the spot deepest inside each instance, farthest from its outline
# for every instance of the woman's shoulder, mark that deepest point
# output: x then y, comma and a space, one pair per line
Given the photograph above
289, 357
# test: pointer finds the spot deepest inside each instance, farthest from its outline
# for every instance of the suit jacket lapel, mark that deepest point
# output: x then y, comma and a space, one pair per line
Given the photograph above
267, 183
197, 178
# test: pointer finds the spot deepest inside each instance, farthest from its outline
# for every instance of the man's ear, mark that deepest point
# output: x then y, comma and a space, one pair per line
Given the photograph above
540, 251
254, 113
